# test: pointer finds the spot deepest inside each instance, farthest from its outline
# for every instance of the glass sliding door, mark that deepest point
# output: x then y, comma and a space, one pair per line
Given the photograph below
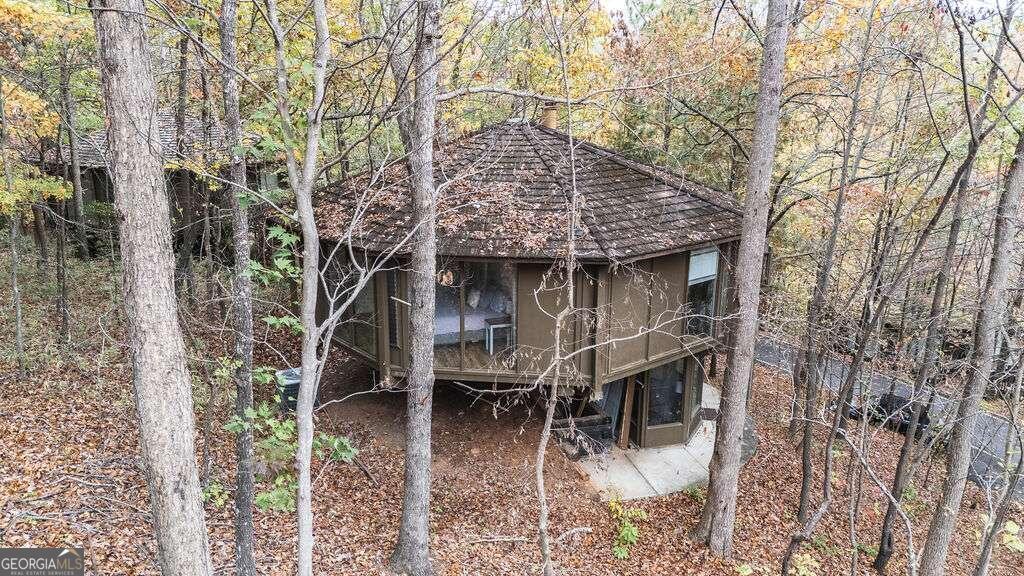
448, 316
664, 404
666, 394
488, 313
670, 403
694, 394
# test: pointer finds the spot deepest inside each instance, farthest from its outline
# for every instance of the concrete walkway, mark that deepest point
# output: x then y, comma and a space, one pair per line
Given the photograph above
990, 431
645, 472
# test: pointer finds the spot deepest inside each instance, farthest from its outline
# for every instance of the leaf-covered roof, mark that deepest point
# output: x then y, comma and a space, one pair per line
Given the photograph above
92, 145
505, 190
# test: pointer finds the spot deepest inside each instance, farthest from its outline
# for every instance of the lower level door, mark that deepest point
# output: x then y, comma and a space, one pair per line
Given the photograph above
665, 420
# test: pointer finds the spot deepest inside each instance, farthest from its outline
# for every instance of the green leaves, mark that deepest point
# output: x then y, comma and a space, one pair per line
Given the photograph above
290, 322
263, 375
628, 532
283, 265
215, 494
276, 442
335, 448
284, 237
280, 498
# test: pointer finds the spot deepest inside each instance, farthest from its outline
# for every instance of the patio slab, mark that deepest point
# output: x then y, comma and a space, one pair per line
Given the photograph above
645, 472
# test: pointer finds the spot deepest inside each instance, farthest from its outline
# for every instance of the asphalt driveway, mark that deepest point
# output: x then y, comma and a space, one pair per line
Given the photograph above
990, 431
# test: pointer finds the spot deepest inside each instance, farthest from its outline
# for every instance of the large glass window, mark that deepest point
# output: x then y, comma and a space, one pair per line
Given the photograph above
447, 320
475, 312
700, 292
488, 311
665, 401
357, 326
364, 319
337, 282
394, 301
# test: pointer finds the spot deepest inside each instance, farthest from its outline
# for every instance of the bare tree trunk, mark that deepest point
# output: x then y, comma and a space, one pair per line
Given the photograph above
19, 331
301, 176
245, 563
816, 355
163, 388
991, 306
1010, 480
184, 277
412, 551
933, 338
15, 218
62, 277
39, 234
719, 514
543, 538
76, 168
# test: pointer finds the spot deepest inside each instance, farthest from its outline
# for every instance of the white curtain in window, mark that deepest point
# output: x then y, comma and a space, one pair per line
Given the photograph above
703, 266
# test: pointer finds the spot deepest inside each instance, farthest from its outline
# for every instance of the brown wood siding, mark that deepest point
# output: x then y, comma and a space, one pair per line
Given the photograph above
586, 301
668, 298
628, 315
535, 327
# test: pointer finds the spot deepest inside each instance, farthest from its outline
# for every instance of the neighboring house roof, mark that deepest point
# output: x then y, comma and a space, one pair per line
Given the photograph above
92, 146
504, 191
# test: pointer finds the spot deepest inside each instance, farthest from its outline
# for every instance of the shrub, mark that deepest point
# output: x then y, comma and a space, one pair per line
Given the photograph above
275, 444
627, 531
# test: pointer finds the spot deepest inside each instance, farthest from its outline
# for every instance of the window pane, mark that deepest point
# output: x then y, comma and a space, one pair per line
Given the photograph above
364, 319
337, 283
488, 313
447, 323
666, 393
393, 309
703, 265
700, 298
700, 292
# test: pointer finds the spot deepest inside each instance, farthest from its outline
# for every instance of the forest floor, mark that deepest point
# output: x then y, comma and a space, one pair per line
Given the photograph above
70, 472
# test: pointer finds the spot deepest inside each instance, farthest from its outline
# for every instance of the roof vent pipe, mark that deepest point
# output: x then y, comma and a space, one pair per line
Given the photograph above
549, 115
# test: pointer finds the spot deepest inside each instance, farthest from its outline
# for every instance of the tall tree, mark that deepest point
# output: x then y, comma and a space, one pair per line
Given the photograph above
15, 222
241, 316
417, 102
936, 316
991, 306
302, 173
163, 388
184, 275
815, 337
719, 514
68, 103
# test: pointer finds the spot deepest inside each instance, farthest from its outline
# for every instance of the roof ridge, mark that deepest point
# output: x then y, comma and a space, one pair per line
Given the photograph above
649, 171
565, 188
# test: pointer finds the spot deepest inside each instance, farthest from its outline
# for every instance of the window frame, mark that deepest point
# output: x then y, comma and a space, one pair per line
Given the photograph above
714, 297
458, 266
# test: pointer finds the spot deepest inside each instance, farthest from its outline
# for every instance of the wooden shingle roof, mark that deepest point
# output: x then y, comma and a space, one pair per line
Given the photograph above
92, 145
504, 191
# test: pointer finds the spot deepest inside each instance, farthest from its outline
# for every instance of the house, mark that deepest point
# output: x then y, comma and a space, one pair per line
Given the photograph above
654, 253
189, 171
201, 140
